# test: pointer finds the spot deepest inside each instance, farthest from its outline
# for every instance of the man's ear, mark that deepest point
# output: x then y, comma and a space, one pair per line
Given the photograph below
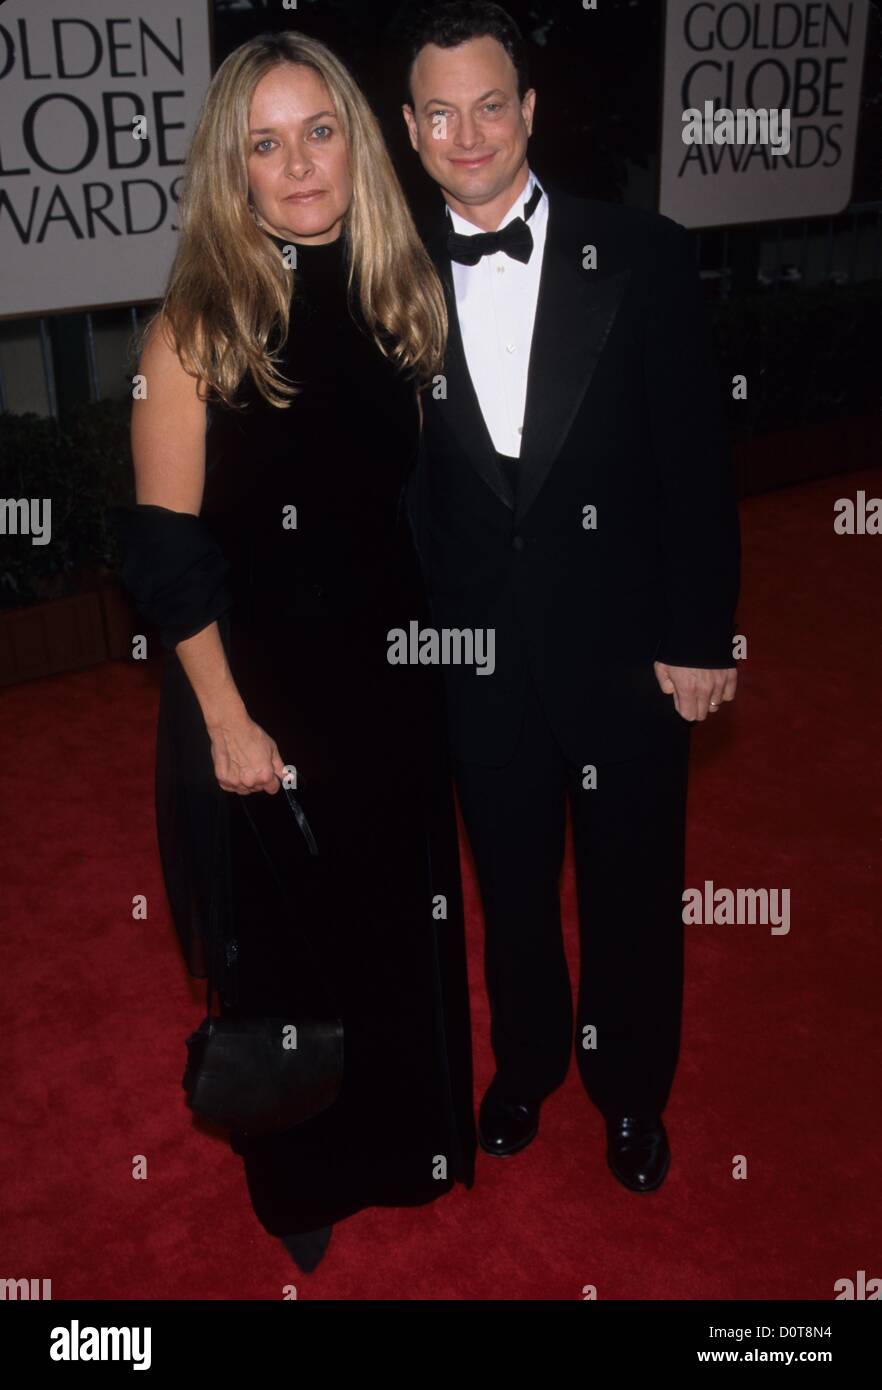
528, 106
410, 122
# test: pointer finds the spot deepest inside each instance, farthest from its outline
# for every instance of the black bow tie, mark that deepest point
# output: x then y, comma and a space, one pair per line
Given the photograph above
515, 239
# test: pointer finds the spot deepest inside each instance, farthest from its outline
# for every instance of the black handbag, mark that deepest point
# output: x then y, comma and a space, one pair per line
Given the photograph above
263, 1075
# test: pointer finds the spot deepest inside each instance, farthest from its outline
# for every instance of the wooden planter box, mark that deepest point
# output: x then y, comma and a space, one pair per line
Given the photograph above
803, 452
121, 621
66, 634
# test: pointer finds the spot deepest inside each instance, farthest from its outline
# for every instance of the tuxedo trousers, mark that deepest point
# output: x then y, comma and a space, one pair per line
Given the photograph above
628, 842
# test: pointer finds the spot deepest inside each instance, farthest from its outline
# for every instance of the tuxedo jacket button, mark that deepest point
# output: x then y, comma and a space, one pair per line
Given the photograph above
517, 543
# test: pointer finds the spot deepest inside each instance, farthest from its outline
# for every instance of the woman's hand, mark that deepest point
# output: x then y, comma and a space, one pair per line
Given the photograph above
245, 758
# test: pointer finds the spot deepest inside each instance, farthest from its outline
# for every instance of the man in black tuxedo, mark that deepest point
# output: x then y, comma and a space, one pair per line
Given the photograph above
574, 494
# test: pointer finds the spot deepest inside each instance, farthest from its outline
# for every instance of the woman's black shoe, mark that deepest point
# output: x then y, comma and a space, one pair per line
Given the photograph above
307, 1247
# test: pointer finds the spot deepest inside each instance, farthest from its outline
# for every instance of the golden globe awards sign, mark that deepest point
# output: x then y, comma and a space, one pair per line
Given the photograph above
98, 101
760, 109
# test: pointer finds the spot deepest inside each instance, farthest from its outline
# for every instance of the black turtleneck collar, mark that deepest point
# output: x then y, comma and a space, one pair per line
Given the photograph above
319, 248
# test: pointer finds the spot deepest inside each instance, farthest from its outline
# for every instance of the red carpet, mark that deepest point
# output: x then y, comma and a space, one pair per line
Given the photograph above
779, 1061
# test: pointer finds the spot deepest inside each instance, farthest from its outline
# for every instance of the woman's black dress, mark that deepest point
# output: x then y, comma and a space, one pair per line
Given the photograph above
306, 505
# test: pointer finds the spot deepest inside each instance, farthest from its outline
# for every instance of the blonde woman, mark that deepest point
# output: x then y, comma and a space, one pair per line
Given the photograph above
270, 546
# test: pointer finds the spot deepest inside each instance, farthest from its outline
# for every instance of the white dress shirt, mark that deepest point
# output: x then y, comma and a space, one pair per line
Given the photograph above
496, 308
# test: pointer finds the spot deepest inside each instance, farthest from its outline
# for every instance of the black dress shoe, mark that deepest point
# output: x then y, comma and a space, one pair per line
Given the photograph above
637, 1151
506, 1125
307, 1247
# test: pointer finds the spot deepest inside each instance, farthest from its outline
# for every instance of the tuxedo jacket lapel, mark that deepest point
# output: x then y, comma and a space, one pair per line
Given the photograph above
575, 312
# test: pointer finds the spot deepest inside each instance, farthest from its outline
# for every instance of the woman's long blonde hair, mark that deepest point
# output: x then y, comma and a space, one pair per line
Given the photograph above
228, 291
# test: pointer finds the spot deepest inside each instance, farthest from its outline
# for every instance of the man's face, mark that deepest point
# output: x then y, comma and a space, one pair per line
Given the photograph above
466, 123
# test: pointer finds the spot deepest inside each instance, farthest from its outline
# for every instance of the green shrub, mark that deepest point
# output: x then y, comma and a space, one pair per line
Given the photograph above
808, 355
83, 463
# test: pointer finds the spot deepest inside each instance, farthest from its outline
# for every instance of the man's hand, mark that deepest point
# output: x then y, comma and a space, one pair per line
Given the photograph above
696, 691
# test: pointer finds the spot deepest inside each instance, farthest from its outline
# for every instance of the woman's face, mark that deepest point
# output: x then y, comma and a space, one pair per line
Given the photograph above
298, 165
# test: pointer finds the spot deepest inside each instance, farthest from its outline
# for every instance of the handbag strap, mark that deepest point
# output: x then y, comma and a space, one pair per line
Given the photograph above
214, 913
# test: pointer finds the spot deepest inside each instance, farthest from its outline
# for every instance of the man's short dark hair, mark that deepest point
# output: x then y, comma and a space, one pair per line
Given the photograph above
451, 24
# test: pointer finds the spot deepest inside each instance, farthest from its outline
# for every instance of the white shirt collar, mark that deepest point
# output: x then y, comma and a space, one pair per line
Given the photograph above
516, 210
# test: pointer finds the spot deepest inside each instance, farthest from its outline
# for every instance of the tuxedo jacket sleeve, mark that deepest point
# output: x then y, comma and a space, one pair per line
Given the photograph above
698, 534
